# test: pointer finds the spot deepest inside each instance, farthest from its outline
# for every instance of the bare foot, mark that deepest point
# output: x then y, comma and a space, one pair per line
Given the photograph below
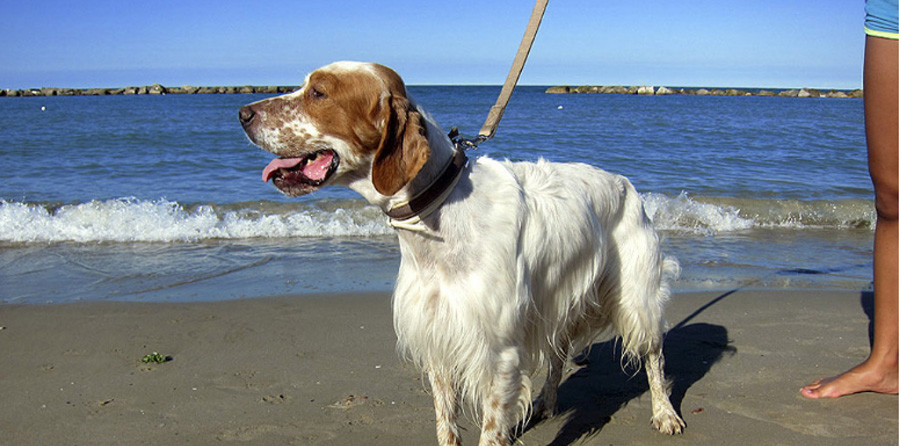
861, 378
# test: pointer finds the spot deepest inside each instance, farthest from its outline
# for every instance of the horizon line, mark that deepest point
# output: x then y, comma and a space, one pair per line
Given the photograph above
32, 90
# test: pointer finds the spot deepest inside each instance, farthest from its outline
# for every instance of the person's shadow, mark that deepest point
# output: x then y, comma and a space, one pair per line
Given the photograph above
589, 397
867, 302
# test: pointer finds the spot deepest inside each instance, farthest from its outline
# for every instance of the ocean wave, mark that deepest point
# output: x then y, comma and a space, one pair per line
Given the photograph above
134, 220
728, 214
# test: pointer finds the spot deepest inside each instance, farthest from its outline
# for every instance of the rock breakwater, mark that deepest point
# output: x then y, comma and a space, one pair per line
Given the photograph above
650, 90
155, 89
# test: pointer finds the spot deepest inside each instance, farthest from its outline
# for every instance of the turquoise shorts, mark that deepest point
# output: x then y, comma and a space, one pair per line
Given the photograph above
881, 18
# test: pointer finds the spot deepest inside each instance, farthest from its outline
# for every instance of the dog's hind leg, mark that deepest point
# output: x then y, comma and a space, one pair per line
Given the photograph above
446, 408
545, 406
665, 419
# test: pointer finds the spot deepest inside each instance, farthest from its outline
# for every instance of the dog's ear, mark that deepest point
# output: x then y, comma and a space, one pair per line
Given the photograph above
403, 148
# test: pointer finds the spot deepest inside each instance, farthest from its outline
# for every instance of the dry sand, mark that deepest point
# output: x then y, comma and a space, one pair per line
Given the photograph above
323, 370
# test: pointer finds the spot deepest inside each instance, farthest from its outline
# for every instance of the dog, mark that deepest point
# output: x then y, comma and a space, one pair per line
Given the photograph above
506, 267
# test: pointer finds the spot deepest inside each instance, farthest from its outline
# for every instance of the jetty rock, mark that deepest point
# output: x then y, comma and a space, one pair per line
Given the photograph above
615, 90
558, 89
50, 91
664, 90
155, 89
95, 92
661, 91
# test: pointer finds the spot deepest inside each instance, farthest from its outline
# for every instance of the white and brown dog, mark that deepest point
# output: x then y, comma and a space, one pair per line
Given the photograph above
506, 267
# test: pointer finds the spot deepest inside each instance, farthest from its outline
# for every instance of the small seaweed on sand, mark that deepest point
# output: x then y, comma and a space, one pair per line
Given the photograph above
155, 358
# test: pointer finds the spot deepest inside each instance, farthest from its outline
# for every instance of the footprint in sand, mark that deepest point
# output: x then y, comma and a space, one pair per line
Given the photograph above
275, 399
349, 402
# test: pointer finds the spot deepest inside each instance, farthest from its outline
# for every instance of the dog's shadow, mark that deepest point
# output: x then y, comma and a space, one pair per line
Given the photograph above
589, 397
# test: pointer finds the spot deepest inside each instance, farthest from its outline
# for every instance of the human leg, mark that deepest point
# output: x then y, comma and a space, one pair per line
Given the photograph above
878, 373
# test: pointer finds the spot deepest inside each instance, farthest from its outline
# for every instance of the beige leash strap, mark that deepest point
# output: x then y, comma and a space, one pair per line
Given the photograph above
496, 112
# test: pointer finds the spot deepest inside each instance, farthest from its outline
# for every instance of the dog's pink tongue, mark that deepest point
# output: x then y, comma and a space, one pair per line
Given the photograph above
317, 169
279, 163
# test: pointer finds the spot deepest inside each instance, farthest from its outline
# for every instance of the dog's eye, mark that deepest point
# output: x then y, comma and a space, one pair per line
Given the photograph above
315, 93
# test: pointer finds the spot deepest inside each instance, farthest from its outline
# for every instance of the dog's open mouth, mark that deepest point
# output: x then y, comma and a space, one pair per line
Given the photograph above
301, 175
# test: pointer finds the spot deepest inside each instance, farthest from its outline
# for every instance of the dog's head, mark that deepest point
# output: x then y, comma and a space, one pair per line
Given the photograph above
349, 121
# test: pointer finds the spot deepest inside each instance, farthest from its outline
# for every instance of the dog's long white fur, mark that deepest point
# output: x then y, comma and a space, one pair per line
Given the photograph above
524, 262
523, 265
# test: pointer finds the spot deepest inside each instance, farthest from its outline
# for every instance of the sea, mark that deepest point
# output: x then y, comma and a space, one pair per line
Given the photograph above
159, 198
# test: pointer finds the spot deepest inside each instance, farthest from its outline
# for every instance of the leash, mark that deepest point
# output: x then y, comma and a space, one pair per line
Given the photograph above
496, 112
409, 215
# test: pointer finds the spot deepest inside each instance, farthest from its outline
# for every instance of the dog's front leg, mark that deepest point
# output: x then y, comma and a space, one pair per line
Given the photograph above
446, 408
664, 416
501, 408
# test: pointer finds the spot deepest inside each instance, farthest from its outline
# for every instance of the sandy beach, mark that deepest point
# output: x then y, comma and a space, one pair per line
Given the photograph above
323, 370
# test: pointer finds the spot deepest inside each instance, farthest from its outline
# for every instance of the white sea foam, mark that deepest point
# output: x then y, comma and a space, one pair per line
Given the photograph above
710, 215
685, 214
133, 220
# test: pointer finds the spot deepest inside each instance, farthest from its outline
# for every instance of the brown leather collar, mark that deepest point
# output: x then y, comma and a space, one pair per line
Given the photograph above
433, 192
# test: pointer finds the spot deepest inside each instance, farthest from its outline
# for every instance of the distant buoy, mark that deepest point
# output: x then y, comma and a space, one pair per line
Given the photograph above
43, 108
559, 108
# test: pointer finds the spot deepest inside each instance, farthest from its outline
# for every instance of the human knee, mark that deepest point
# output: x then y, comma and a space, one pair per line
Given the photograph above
886, 202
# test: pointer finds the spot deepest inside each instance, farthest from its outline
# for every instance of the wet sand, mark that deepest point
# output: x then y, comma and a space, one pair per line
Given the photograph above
323, 370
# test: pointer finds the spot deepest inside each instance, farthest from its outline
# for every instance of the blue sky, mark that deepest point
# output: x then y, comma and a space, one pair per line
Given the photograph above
724, 43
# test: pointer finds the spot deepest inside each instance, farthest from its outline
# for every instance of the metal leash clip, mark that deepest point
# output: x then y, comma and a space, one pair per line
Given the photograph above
464, 143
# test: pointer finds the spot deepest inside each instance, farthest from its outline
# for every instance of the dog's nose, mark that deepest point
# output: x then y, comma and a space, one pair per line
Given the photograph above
246, 115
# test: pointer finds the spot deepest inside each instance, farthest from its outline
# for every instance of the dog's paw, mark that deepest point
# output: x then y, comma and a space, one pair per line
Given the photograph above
668, 423
540, 410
